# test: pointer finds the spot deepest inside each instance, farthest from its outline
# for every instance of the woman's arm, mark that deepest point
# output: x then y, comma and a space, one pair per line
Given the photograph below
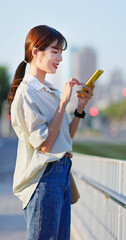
74, 124
82, 101
56, 121
54, 127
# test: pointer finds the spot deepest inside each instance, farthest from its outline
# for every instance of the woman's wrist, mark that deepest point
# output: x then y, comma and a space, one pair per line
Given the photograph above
63, 103
80, 109
79, 115
62, 106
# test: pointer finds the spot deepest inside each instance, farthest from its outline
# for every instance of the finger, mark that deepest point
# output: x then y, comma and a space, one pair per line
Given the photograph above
87, 89
80, 97
85, 93
92, 85
72, 83
82, 84
83, 98
76, 81
73, 79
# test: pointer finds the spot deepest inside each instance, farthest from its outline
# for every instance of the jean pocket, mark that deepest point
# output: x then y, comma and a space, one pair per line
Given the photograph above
48, 169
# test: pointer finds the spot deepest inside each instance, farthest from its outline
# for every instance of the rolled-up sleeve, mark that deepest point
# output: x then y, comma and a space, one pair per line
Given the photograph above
36, 123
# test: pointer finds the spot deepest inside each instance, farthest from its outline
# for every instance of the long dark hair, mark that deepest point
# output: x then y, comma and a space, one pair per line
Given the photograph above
41, 37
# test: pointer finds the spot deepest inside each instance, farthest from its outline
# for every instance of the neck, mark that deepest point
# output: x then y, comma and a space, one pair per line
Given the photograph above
39, 74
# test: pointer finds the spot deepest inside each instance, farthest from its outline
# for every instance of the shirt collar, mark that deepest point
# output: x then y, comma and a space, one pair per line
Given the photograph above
37, 85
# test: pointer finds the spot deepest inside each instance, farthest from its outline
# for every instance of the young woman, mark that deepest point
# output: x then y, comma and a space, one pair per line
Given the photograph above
42, 172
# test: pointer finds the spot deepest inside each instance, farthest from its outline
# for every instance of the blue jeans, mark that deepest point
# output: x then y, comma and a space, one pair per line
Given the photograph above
48, 213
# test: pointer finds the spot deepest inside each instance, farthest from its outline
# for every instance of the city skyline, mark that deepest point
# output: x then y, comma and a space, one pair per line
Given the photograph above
99, 25
84, 64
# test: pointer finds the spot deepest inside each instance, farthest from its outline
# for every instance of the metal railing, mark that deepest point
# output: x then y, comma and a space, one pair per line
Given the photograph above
100, 213
107, 192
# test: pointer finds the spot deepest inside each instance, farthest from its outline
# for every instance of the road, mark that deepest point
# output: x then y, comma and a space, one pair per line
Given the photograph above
12, 224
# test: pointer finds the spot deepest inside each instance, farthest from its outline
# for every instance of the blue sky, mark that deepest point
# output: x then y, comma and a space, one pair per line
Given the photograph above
94, 23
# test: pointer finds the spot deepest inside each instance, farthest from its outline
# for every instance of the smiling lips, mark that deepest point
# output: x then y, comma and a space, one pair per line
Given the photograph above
55, 65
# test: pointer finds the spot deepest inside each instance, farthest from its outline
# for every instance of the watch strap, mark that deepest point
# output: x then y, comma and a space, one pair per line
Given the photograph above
79, 115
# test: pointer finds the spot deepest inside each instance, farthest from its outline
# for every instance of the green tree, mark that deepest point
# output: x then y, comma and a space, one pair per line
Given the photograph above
4, 84
116, 111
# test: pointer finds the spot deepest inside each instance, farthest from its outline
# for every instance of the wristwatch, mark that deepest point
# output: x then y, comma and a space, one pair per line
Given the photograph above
79, 115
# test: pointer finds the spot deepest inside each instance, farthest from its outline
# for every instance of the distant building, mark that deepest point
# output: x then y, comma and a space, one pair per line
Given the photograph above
83, 65
87, 64
115, 86
112, 91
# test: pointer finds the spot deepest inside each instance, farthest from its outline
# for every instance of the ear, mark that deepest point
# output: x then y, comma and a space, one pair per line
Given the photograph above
35, 52
36, 55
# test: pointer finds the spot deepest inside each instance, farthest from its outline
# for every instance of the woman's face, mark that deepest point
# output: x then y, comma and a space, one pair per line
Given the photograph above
50, 58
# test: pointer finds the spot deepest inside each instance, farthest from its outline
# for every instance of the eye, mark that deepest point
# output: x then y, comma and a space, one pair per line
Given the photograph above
57, 51
54, 52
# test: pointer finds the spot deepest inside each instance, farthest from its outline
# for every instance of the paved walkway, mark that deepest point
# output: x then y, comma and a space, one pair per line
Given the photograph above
12, 224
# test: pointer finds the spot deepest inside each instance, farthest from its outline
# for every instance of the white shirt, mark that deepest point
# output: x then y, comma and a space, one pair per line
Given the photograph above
32, 110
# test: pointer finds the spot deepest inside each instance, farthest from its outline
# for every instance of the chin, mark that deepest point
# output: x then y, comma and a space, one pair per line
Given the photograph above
52, 71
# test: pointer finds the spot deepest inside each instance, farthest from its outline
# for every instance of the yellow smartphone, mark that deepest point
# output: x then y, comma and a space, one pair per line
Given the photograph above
94, 77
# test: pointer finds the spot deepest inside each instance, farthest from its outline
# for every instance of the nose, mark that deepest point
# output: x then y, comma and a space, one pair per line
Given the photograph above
59, 57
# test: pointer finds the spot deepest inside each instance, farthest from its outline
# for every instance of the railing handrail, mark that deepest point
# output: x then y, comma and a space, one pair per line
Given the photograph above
99, 158
107, 192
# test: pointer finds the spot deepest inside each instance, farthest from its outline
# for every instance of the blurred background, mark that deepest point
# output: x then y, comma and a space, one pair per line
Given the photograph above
95, 31
96, 40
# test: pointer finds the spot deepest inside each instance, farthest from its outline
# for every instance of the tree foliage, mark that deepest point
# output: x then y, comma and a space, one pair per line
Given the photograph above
4, 84
116, 111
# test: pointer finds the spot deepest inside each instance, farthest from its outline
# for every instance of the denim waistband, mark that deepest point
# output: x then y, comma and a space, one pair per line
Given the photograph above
63, 160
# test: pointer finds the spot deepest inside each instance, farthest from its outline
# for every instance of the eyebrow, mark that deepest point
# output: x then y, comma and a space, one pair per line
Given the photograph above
54, 47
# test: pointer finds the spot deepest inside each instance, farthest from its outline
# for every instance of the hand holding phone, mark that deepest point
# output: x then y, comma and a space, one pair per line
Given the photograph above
94, 78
